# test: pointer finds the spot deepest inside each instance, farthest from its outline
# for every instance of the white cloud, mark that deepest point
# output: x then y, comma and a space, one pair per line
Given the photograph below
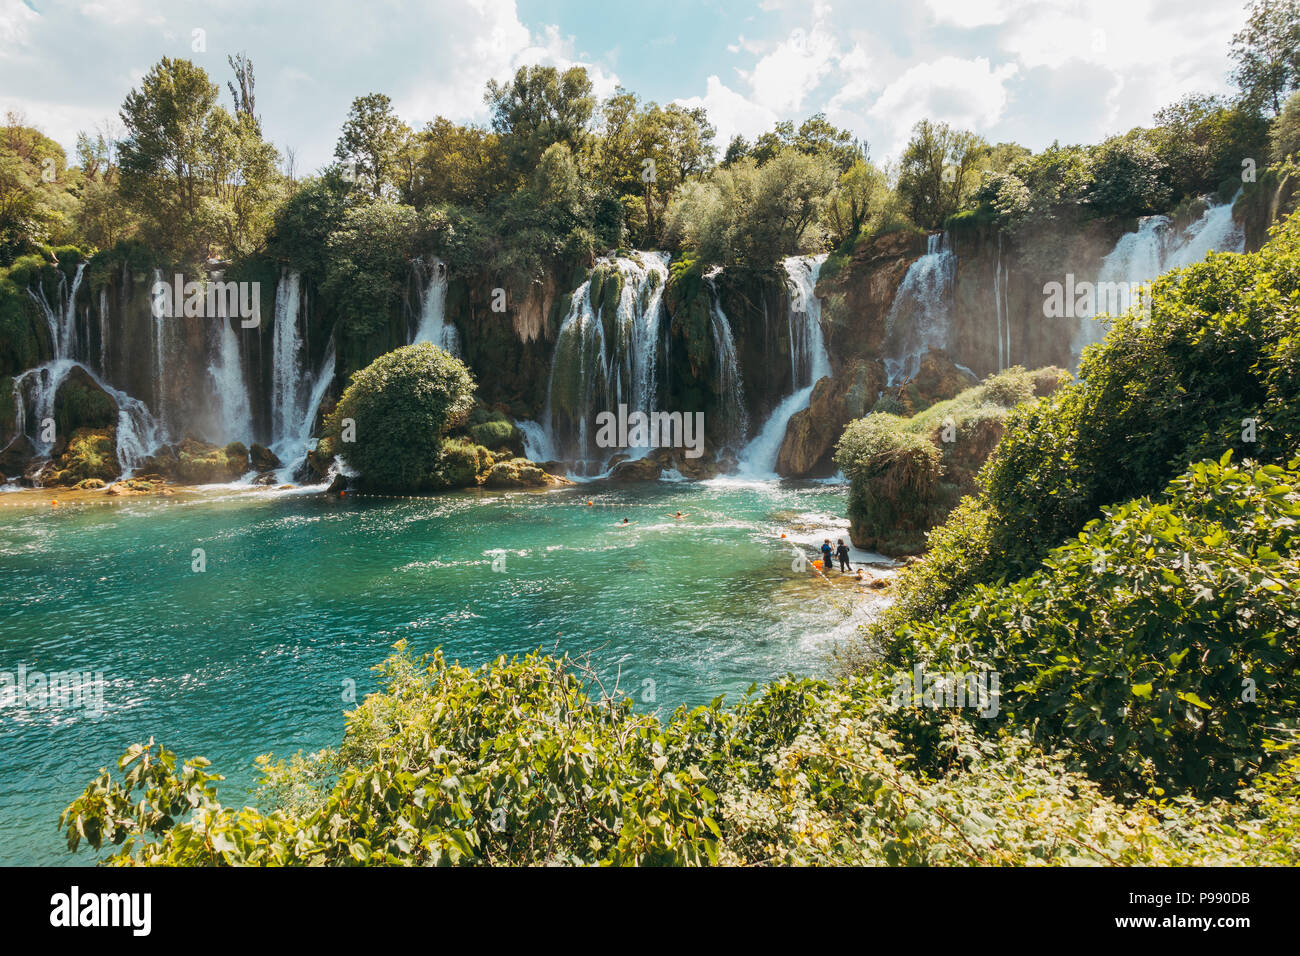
966, 93
731, 112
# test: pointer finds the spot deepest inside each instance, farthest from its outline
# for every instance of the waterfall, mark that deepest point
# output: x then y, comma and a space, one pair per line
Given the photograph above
727, 382
227, 373
602, 360
537, 443
809, 363
1003, 309
1155, 248
288, 393
62, 321
433, 325
138, 431
292, 448
921, 312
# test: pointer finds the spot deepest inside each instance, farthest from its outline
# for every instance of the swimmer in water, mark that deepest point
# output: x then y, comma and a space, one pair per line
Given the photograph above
678, 515
625, 522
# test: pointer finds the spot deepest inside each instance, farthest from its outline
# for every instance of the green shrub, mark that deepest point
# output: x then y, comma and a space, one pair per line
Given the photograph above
1160, 645
402, 406
461, 464
525, 761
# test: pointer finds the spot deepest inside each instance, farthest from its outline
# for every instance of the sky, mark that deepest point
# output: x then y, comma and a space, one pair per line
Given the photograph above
1033, 72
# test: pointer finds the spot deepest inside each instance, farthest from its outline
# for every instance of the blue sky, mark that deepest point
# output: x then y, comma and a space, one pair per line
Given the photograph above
1010, 69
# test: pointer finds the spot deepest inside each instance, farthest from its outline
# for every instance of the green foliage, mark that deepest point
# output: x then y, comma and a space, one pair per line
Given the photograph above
37, 190
538, 108
368, 261
938, 171
750, 216
90, 453
198, 179
1134, 641
461, 464
1267, 51
371, 142
530, 761
906, 474
402, 405
1128, 177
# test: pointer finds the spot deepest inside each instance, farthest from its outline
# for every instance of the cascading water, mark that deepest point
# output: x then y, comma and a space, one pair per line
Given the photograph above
605, 360
537, 443
809, 363
293, 449
227, 373
288, 390
62, 320
921, 313
1002, 307
138, 431
1155, 248
433, 325
37, 389
728, 385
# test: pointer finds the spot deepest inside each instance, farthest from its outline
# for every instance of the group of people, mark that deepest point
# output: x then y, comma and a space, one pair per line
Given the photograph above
841, 551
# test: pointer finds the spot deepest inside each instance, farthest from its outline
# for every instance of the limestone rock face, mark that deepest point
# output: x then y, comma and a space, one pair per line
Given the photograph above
638, 469
810, 438
937, 380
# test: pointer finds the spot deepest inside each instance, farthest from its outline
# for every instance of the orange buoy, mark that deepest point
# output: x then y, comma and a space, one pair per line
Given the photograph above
343, 494
589, 504
54, 502
783, 534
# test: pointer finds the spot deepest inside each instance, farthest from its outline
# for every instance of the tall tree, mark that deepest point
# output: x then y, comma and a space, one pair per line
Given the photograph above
938, 170
539, 107
372, 141
164, 157
1267, 52
242, 94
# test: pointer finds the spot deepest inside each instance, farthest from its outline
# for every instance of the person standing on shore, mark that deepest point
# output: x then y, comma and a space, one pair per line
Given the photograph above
842, 552
826, 555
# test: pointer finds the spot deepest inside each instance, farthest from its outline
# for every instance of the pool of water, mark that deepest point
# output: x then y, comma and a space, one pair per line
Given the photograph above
302, 594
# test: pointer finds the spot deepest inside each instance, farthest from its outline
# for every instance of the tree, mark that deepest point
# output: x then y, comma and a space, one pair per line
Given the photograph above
243, 93
737, 150
1128, 178
539, 107
401, 406
1267, 53
371, 142
749, 216
37, 203
457, 164
165, 156
862, 189
1284, 140
937, 171
368, 259
1203, 139
819, 136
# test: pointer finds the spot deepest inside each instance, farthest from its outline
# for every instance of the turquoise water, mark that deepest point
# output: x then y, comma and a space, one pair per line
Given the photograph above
304, 592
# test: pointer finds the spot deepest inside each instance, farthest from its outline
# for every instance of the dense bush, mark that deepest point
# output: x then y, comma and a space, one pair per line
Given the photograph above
529, 761
1160, 645
906, 474
401, 406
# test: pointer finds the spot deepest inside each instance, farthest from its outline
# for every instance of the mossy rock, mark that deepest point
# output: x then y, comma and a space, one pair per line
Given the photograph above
515, 473
462, 464
201, 463
90, 453
81, 403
